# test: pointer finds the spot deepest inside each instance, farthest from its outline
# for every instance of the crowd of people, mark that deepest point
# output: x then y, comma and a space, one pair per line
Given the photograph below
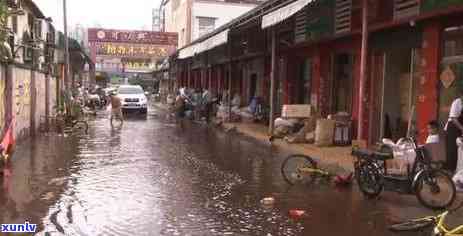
193, 103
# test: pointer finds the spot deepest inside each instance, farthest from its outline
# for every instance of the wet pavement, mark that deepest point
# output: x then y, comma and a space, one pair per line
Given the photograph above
152, 178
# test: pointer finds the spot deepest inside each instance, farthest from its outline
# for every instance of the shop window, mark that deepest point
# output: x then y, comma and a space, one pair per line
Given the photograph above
451, 69
342, 94
343, 16
305, 79
406, 8
453, 41
205, 25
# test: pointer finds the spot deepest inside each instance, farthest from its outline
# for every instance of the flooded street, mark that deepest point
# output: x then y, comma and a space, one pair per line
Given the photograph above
151, 178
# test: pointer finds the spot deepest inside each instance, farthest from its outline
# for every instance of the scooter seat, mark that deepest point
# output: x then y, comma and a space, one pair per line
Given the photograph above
380, 156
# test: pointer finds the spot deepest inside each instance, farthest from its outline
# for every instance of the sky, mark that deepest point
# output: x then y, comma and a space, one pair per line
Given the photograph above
113, 14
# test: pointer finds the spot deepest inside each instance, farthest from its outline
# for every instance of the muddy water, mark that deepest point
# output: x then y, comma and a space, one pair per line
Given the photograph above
151, 178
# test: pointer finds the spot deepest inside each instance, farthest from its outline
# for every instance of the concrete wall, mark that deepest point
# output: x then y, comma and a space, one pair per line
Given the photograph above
3, 99
176, 19
223, 12
24, 106
21, 101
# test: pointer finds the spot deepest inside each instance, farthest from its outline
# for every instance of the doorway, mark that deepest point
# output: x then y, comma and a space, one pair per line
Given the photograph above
305, 82
395, 75
343, 83
253, 86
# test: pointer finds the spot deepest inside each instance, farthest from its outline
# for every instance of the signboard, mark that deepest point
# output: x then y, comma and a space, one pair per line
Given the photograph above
120, 51
132, 36
133, 50
137, 64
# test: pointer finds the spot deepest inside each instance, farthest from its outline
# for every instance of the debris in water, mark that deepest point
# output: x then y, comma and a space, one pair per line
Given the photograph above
48, 196
268, 201
57, 181
296, 214
231, 129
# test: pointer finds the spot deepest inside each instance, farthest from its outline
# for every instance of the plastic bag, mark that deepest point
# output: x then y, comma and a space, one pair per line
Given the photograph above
404, 155
458, 180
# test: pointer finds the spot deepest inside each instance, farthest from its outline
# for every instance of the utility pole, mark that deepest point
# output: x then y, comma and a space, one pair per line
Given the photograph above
272, 84
67, 75
363, 69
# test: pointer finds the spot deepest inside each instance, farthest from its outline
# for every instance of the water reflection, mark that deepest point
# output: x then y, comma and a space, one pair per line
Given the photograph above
149, 178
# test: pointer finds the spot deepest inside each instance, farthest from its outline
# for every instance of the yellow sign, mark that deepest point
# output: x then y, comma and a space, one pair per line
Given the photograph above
132, 50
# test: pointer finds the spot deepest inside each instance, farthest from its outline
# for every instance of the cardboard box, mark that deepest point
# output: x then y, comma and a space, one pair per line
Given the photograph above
296, 111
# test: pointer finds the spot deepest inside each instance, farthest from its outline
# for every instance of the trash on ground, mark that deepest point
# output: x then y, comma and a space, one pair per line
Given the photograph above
268, 201
296, 214
231, 129
343, 180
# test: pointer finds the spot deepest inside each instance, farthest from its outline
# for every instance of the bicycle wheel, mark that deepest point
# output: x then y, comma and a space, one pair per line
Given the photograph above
435, 190
413, 225
80, 127
291, 169
369, 179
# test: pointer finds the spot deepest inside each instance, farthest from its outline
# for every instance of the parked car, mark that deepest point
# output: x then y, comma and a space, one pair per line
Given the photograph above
133, 98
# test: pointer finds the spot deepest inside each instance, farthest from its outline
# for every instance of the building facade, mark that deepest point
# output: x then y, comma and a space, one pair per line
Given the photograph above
408, 64
192, 19
31, 69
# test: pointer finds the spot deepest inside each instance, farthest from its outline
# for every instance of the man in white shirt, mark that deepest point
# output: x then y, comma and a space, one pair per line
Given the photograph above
454, 129
207, 100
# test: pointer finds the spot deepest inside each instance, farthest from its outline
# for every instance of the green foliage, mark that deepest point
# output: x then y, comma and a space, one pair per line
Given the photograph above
3, 20
430, 5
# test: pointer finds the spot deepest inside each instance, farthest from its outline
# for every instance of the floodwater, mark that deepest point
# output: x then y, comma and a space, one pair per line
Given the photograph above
152, 178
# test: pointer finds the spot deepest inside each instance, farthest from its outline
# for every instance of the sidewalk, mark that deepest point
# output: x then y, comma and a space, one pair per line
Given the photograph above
332, 156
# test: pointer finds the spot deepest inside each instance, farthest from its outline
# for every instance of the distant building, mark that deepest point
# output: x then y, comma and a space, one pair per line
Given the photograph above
79, 33
193, 18
156, 20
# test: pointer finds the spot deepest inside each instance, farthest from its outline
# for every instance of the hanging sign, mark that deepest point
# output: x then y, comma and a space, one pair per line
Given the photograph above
447, 77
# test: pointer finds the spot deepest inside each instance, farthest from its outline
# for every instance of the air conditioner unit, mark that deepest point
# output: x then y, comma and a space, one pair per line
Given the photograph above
50, 38
12, 42
38, 29
49, 55
28, 54
14, 3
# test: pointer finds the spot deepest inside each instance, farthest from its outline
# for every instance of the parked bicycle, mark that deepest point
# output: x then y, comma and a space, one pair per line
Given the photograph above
63, 123
433, 187
302, 169
3, 159
436, 222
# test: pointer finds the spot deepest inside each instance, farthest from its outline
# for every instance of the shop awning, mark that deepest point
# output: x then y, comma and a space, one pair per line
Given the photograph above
283, 13
214, 41
187, 52
208, 44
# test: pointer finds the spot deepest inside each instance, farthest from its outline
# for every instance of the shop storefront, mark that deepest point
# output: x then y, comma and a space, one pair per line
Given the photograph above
451, 68
395, 71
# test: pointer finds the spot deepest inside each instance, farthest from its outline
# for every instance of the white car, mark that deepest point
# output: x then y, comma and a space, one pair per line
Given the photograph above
133, 98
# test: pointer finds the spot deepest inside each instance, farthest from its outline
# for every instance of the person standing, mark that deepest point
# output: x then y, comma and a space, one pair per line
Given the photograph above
180, 109
116, 108
454, 129
207, 100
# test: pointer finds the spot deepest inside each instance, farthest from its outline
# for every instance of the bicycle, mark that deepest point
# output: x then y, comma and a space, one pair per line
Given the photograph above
4, 158
437, 222
61, 123
302, 169
118, 116
372, 176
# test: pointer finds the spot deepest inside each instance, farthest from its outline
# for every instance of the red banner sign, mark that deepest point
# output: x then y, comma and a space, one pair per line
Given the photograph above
132, 36
132, 50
